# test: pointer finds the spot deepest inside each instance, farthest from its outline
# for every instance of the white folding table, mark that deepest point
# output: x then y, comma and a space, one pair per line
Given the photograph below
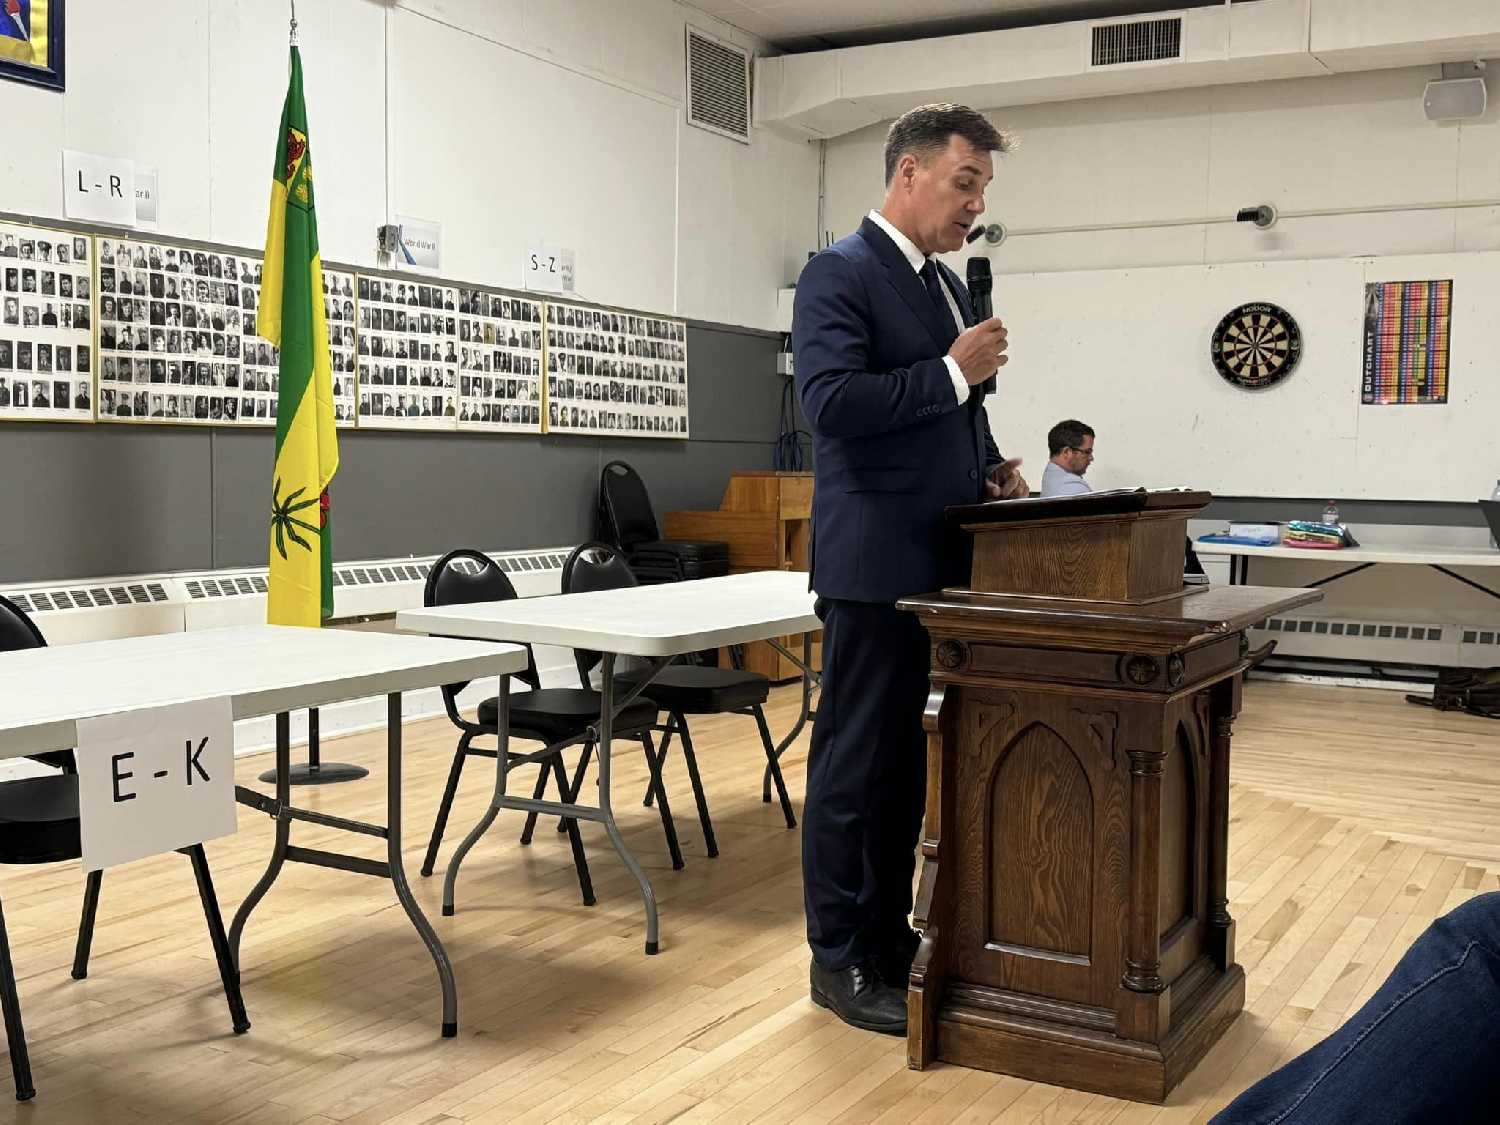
1354, 559
263, 670
656, 623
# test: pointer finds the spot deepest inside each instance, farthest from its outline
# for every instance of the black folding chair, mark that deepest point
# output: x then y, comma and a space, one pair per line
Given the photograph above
679, 689
39, 824
627, 520
558, 718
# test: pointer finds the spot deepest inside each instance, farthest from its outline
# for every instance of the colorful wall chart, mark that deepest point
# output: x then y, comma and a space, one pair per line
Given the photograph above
1406, 342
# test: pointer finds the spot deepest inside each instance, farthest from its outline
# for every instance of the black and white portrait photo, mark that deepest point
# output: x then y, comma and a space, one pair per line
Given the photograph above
45, 327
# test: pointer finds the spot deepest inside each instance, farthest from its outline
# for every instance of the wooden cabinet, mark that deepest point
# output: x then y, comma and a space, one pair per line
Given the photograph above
766, 518
1072, 895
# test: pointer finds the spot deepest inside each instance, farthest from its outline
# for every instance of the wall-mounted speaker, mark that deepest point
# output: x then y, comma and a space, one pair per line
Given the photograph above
1455, 99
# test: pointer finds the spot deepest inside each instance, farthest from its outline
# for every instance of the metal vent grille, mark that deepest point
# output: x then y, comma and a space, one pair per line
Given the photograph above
718, 85
204, 587
1137, 41
1365, 630
93, 597
230, 586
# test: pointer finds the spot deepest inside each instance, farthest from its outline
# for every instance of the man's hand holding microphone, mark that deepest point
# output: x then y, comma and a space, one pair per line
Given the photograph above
979, 353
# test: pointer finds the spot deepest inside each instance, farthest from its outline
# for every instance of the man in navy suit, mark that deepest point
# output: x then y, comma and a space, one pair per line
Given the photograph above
889, 367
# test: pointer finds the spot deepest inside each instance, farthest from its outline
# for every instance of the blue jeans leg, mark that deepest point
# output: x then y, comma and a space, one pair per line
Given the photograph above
1424, 1048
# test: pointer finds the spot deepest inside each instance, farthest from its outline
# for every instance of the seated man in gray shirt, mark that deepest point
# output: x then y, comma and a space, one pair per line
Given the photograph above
1070, 445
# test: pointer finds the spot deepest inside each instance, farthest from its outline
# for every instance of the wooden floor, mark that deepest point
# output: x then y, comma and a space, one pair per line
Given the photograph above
1356, 819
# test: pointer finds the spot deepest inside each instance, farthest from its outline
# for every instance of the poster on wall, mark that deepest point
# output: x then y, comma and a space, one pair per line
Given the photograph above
261, 360
31, 42
46, 330
171, 321
499, 362
615, 373
1406, 342
408, 355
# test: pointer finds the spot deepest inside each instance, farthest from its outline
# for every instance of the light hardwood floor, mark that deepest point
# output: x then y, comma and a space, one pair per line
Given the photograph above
1356, 819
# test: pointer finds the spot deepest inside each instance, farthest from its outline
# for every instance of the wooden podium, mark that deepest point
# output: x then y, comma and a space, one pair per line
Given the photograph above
1072, 899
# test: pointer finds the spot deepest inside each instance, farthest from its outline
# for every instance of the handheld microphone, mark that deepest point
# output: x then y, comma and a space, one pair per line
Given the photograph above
980, 286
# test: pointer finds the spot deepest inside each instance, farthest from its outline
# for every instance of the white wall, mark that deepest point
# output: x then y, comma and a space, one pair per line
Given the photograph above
1084, 340
1343, 141
508, 120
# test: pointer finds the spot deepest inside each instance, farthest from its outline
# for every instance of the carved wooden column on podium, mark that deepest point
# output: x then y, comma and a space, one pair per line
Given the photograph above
1072, 894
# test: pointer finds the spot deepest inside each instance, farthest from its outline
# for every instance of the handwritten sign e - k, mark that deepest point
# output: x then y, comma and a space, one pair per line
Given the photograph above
99, 188
155, 780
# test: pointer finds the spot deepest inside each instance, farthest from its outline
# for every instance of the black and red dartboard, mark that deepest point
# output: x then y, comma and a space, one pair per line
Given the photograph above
1256, 345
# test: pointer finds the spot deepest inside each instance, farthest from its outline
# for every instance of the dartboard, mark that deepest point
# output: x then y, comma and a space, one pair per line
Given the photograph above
1256, 345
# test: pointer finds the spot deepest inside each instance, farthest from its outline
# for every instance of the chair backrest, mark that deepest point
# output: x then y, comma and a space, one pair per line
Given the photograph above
594, 566
447, 584
625, 514
17, 632
1190, 562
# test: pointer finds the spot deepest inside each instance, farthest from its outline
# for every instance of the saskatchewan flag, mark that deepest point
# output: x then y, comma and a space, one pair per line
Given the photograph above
292, 317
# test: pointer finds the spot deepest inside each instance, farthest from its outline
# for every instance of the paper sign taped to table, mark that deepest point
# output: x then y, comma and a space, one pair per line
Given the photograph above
154, 781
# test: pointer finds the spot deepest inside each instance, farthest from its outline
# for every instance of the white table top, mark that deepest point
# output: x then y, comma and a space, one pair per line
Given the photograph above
263, 669
650, 621
1411, 553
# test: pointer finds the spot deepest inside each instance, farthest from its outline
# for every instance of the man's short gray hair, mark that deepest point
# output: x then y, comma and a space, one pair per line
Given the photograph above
926, 129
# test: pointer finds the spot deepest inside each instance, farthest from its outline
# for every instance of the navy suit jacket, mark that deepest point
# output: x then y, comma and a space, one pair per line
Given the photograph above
892, 446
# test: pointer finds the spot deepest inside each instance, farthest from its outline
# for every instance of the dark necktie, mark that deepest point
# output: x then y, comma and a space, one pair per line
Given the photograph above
934, 286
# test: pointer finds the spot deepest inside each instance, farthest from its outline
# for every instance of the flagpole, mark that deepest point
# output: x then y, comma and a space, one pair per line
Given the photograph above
314, 772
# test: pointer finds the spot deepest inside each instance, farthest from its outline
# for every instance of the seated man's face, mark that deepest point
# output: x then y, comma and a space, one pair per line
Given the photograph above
1080, 458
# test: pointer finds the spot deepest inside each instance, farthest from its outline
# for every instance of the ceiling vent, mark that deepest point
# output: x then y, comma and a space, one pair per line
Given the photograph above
1137, 41
718, 86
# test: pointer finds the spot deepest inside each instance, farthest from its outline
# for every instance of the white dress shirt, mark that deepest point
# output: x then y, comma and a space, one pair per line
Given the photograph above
916, 259
1057, 481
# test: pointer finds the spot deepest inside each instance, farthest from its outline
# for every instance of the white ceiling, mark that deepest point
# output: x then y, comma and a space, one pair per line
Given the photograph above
820, 24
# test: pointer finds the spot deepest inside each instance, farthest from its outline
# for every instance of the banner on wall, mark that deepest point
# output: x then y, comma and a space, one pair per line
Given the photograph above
1406, 343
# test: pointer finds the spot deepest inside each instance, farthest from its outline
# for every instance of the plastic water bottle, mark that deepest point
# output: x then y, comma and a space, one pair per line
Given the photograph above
1331, 511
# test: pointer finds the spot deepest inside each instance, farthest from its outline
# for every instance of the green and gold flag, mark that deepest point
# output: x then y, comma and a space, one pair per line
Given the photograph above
292, 317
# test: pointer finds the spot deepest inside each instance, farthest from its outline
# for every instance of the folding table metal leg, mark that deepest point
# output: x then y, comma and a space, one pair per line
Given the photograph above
281, 810
283, 837
398, 872
502, 766
606, 739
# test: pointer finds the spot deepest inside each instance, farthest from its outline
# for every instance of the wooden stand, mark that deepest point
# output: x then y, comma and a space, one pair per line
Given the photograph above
766, 518
1072, 897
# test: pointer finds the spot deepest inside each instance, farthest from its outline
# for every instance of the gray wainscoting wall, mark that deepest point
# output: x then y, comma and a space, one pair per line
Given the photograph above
85, 501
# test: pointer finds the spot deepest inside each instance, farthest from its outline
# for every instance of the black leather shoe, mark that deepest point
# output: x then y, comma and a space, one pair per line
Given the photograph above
859, 998
893, 962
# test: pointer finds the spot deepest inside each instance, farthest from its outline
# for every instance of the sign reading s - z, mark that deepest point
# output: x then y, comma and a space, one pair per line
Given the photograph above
154, 781
548, 269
